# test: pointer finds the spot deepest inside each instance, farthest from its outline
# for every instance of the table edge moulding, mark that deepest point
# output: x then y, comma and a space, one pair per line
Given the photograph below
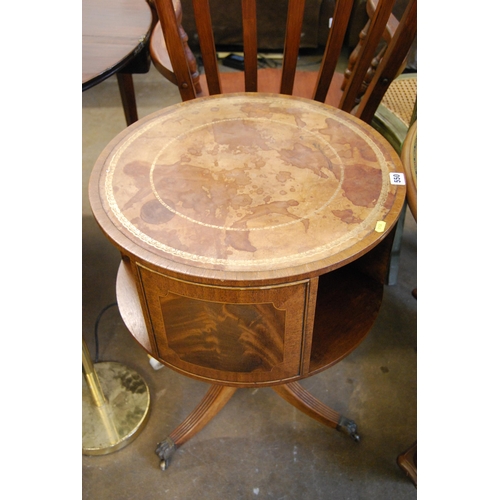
255, 232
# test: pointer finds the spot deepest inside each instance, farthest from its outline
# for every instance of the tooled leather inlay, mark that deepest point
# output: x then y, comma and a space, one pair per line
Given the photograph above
248, 182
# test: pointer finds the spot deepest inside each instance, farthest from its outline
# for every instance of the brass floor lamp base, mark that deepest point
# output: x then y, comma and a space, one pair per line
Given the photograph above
122, 414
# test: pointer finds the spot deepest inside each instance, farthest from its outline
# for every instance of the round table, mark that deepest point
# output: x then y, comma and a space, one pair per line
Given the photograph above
255, 233
115, 34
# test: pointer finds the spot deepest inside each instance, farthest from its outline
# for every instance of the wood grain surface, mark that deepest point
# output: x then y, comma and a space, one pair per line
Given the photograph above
112, 32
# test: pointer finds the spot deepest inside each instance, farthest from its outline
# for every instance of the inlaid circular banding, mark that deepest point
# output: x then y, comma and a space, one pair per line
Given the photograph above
246, 182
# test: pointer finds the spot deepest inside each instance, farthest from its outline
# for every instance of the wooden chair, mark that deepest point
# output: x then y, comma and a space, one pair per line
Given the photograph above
397, 110
178, 64
387, 35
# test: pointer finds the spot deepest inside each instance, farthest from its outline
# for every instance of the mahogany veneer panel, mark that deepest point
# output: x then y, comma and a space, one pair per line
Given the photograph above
241, 335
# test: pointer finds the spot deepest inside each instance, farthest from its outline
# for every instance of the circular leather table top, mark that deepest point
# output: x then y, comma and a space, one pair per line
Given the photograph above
247, 185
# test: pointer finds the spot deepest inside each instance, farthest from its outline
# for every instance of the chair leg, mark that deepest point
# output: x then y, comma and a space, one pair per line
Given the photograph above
214, 400
297, 396
127, 94
392, 277
408, 463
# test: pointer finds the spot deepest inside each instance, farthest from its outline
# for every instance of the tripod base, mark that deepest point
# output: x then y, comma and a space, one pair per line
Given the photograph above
113, 425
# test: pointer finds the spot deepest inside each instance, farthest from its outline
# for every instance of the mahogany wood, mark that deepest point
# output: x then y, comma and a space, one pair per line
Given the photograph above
114, 34
340, 21
297, 396
166, 68
390, 65
388, 34
255, 229
207, 44
256, 333
291, 46
127, 94
212, 403
408, 463
318, 86
175, 47
249, 18
374, 35
255, 232
337, 333
269, 79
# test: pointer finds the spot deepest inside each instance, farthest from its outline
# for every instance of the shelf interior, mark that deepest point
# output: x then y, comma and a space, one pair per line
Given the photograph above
347, 305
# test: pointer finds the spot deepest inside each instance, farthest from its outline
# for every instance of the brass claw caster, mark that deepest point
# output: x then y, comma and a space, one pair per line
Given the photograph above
349, 427
165, 449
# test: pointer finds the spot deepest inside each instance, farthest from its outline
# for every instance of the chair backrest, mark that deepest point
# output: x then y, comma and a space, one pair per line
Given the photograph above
389, 32
387, 69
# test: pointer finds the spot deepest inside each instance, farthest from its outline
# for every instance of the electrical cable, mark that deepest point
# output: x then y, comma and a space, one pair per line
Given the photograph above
96, 326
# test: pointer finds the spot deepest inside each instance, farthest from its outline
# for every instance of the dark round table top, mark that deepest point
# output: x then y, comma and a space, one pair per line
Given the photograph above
113, 31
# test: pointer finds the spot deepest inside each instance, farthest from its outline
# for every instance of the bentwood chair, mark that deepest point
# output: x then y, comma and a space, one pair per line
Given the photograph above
171, 55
